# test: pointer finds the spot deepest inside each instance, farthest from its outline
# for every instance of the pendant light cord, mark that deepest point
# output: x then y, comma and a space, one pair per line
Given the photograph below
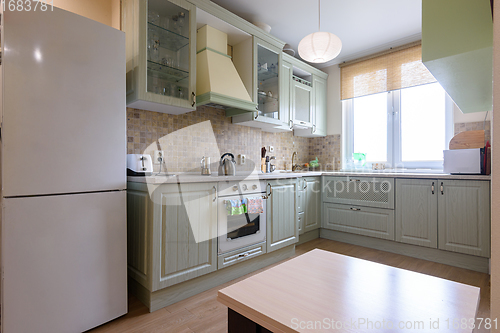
319, 15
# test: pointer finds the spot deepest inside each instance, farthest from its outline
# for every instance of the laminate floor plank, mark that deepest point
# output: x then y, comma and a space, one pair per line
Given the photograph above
202, 313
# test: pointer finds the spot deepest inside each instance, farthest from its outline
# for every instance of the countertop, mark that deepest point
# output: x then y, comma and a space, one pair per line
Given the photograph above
197, 178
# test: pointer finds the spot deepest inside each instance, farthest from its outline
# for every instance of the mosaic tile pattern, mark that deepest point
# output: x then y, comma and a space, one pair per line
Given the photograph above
328, 151
206, 132
475, 126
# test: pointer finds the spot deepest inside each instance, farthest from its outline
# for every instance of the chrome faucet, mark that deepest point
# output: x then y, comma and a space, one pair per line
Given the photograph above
295, 166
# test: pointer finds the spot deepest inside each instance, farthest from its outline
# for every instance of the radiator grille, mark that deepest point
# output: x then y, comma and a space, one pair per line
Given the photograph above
364, 191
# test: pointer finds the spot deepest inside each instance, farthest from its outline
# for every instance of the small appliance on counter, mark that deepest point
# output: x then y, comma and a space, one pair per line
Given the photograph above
139, 165
205, 166
465, 161
467, 154
227, 167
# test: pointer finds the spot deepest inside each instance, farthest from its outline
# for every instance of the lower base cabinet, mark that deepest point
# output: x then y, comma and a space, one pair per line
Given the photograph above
367, 221
172, 233
282, 220
464, 216
416, 212
312, 204
309, 204
452, 215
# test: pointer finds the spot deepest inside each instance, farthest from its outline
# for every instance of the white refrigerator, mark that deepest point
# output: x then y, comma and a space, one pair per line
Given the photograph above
63, 173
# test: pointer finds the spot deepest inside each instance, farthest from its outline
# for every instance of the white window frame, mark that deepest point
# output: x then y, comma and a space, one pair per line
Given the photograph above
394, 153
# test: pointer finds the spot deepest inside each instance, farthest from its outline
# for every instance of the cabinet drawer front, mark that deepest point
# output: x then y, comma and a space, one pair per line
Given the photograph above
374, 222
229, 259
362, 191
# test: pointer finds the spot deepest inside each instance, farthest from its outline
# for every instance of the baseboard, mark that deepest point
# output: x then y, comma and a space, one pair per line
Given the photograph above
466, 261
167, 296
308, 236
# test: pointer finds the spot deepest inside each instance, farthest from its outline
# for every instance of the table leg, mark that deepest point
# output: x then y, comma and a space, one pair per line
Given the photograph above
237, 323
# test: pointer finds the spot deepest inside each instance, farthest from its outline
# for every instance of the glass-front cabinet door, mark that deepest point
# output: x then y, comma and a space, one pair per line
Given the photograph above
267, 89
268, 65
161, 58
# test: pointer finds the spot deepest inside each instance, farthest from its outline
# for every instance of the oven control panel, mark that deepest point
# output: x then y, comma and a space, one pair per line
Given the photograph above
242, 187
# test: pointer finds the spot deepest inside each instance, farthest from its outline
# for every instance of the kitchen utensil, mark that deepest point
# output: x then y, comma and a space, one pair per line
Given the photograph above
139, 165
467, 140
205, 166
227, 167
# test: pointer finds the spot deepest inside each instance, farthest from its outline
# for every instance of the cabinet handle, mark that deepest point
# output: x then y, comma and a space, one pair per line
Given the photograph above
305, 184
290, 123
314, 128
194, 99
442, 189
303, 122
432, 188
215, 194
265, 197
355, 209
256, 116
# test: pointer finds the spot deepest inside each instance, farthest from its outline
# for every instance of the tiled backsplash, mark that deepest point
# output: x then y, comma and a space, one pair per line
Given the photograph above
475, 126
208, 132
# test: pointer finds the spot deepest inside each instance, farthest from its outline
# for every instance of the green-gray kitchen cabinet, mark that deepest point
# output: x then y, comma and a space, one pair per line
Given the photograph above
366, 221
416, 212
464, 216
150, 83
285, 92
282, 229
172, 232
319, 116
312, 204
302, 104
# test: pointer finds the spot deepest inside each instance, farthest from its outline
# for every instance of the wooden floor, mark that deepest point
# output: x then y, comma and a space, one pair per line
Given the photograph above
202, 313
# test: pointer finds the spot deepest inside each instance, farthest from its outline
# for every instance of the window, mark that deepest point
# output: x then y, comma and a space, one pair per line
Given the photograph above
404, 128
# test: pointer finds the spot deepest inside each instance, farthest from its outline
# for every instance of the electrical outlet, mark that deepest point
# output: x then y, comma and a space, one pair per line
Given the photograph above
158, 156
271, 149
242, 158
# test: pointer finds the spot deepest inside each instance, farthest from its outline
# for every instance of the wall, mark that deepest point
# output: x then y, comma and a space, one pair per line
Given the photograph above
333, 103
495, 173
208, 132
104, 11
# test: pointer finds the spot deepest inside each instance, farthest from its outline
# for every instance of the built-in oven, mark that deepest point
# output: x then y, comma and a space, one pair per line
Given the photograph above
239, 229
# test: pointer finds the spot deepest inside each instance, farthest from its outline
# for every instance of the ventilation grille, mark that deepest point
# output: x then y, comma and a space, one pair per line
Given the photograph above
363, 191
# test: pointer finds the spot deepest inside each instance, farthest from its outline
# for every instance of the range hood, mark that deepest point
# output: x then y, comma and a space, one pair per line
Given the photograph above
218, 83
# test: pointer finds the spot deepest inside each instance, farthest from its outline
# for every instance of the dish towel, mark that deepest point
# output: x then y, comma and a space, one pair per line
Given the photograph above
236, 207
255, 205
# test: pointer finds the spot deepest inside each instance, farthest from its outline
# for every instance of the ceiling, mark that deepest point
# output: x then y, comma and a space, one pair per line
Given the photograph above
364, 26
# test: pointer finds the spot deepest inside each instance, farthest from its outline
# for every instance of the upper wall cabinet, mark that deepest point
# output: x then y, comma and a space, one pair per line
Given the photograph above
161, 55
457, 48
264, 85
308, 89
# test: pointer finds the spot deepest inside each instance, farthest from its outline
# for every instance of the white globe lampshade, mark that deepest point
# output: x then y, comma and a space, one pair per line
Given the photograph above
319, 47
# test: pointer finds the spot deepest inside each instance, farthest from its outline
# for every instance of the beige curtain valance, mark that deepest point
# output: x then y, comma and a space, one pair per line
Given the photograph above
394, 69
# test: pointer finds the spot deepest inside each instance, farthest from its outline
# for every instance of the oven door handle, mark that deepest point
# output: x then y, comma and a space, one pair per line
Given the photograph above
265, 197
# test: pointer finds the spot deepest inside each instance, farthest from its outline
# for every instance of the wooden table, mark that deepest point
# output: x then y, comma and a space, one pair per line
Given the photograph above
325, 291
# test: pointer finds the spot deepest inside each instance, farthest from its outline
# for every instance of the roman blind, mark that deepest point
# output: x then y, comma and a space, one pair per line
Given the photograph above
394, 69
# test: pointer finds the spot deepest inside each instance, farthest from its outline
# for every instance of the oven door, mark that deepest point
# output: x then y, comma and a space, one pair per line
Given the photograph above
239, 231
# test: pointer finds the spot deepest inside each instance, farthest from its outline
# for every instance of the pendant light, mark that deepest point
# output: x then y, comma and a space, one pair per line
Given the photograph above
320, 46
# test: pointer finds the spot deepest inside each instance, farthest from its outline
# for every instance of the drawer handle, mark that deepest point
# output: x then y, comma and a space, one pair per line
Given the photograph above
243, 255
355, 180
432, 188
355, 209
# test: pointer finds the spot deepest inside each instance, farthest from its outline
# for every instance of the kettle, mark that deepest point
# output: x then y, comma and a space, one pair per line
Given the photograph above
227, 167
